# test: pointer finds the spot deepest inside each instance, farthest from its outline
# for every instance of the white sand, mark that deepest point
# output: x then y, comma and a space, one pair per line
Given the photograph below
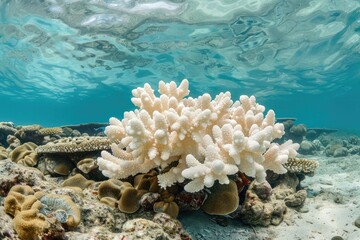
334, 207
330, 210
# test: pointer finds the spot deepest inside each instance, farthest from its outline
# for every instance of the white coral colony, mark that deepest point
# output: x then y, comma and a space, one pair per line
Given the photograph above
206, 139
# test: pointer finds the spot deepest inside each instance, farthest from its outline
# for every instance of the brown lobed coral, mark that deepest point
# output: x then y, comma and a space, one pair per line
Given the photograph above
25, 154
215, 204
38, 215
3, 153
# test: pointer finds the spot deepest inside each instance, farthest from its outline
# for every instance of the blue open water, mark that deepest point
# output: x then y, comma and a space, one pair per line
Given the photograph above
76, 61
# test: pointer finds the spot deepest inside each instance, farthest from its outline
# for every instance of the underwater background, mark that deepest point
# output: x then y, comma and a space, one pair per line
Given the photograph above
76, 61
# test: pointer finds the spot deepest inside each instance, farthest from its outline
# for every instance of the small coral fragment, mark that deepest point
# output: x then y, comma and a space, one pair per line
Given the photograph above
140, 228
299, 165
297, 199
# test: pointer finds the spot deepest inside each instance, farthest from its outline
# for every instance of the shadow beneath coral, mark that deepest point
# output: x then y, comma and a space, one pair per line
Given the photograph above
203, 226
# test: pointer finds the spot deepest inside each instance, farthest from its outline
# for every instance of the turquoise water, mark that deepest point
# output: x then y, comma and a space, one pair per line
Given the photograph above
76, 61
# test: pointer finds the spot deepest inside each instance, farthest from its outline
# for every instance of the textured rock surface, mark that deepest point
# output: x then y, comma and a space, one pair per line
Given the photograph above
93, 212
306, 147
7, 231
18, 174
263, 212
296, 200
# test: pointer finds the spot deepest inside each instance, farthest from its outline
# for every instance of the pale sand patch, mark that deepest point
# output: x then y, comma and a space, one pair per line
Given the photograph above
332, 206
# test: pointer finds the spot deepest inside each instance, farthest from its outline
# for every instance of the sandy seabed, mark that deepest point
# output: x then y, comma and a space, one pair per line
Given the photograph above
329, 212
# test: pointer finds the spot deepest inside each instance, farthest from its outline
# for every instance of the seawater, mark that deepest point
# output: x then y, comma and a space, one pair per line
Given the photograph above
67, 62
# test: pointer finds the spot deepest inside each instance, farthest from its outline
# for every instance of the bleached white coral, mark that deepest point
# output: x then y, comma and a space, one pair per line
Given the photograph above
204, 140
205, 174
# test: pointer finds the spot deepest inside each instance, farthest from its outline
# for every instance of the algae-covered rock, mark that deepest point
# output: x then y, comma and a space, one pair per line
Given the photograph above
257, 211
298, 132
306, 147
296, 199
13, 174
340, 152
143, 229
7, 231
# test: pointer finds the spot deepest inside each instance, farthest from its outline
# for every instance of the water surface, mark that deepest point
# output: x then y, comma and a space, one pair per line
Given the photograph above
74, 61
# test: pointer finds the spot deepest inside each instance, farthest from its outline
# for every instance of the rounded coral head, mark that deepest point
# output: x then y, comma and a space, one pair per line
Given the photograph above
215, 204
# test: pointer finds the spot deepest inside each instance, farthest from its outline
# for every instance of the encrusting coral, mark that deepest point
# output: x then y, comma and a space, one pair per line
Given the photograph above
115, 192
110, 188
200, 139
38, 215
